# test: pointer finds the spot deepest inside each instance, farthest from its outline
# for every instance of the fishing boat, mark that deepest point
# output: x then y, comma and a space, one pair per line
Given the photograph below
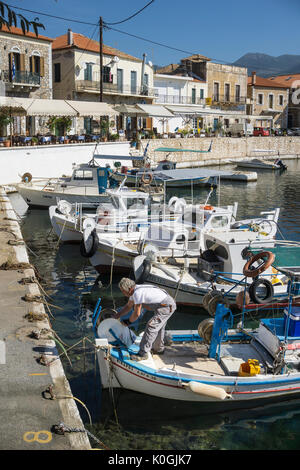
218, 271
180, 237
87, 185
123, 207
219, 363
258, 164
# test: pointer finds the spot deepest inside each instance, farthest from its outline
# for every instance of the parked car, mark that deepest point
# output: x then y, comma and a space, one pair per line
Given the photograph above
295, 130
261, 131
239, 130
278, 131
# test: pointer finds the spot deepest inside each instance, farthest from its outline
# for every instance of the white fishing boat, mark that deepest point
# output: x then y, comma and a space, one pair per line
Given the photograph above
123, 207
218, 272
180, 237
260, 164
217, 363
87, 185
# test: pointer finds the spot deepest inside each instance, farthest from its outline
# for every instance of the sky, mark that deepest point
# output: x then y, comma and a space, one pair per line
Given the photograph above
221, 30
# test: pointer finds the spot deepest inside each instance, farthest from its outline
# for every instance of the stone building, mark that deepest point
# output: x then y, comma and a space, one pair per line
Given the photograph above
26, 64
214, 96
292, 81
76, 76
267, 97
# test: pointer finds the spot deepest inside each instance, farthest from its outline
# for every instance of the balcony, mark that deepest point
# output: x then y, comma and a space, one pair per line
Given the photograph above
21, 78
92, 86
175, 99
228, 102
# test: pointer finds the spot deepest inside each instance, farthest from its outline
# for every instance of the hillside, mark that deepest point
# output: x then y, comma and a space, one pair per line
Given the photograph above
266, 65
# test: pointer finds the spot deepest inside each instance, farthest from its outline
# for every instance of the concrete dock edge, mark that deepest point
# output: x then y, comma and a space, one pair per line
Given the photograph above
29, 361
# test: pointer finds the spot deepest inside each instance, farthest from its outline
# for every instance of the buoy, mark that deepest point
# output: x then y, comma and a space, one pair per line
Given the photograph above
209, 391
239, 300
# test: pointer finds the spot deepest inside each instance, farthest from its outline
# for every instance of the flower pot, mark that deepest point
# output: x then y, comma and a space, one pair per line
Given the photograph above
6, 143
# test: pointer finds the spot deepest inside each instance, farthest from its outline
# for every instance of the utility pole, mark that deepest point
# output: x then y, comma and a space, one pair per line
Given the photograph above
101, 58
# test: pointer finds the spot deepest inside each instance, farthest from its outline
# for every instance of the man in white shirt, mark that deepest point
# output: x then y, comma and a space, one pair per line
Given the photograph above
150, 298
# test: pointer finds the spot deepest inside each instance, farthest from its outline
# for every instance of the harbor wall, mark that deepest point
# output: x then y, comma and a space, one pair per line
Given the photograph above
55, 160
51, 161
30, 363
224, 149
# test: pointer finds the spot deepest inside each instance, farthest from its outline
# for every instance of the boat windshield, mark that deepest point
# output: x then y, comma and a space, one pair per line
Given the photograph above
135, 202
83, 175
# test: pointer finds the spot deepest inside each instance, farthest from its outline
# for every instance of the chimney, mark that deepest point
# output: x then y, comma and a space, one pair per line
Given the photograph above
253, 78
70, 37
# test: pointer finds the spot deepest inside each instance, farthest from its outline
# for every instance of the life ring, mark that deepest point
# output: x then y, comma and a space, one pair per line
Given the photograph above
253, 291
145, 272
248, 272
172, 202
146, 178
27, 177
89, 243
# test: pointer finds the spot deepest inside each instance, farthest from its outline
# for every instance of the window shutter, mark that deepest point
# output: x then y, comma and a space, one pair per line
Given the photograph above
31, 60
42, 67
22, 62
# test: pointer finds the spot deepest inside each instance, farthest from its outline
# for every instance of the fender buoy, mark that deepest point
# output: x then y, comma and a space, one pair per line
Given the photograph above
208, 208
27, 177
92, 243
248, 272
253, 291
147, 178
145, 272
172, 202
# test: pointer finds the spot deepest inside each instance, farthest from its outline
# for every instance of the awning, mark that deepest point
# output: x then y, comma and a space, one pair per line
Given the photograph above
92, 108
190, 110
13, 106
153, 110
39, 107
129, 110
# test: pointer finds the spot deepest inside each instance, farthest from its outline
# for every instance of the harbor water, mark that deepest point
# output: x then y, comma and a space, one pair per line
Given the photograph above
125, 420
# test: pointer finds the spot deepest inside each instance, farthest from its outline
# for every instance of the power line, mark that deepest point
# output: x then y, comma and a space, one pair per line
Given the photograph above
132, 16
52, 16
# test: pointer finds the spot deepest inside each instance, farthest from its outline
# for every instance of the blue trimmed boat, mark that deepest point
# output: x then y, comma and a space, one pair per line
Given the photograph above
216, 363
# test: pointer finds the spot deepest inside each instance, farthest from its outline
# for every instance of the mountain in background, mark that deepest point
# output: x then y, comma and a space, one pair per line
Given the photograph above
266, 65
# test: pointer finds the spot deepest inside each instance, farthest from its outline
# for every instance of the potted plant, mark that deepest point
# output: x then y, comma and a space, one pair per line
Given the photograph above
34, 140
104, 126
63, 123
5, 120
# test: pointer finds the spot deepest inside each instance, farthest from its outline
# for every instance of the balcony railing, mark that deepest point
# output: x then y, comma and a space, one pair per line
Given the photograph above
175, 99
225, 99
112, 88
21, 77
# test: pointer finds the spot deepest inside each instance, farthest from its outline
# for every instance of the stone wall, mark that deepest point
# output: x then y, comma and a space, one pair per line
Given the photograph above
224, 149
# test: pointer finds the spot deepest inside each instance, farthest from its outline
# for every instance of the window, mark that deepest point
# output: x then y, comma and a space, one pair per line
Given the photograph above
133, 81
107, 76
227, 92
280, 100
57, 73
193, 95
35, 64
201, 93
88, 72
120, 80
237, 93
271, 101
260, 98
83, 175
216, 91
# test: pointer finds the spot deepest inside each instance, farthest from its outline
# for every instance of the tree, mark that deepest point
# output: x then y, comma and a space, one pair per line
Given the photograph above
9, 18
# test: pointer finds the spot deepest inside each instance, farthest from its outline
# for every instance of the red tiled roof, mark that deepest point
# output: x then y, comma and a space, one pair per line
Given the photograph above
266, 82
287, 80
82, 42
18, 32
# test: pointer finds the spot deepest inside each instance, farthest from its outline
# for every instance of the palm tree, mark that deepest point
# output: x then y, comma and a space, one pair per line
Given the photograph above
9, 18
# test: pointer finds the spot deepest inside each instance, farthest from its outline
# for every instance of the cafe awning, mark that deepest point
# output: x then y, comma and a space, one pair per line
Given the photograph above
92, 108
12, 106
153, 110
130, 110
46, 107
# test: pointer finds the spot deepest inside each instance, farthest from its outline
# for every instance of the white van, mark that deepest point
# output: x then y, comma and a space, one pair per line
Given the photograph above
239, 130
